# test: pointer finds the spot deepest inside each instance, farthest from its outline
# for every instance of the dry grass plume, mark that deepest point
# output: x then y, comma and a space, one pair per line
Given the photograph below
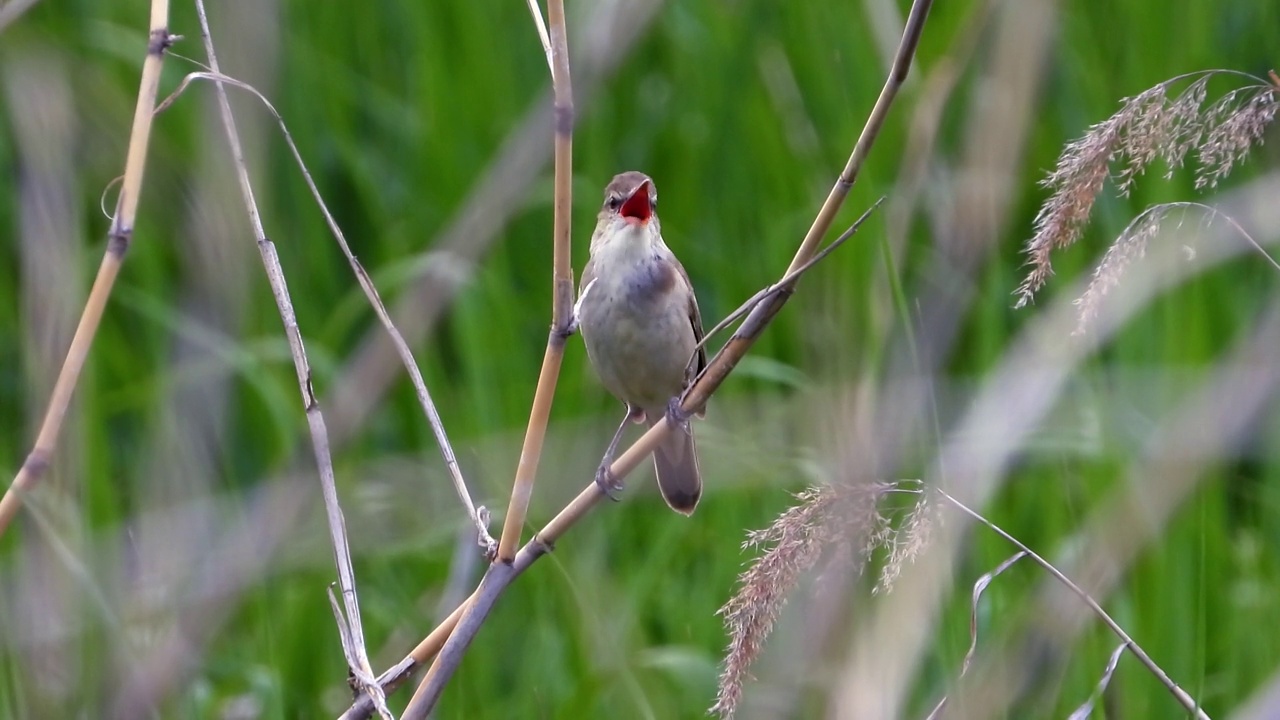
1154, 124
846, 521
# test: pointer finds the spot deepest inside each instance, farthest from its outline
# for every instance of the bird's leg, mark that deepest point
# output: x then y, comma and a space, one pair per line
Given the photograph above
608, 484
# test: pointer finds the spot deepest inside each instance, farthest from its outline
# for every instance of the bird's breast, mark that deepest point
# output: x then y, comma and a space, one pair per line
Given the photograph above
635, 322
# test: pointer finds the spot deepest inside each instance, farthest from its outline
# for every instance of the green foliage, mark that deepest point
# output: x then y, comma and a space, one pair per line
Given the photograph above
743, 112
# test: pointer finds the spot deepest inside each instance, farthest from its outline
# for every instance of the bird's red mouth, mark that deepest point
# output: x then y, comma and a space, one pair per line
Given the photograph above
637, 205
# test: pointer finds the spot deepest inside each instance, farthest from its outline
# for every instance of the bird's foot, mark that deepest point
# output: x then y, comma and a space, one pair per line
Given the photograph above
677, 416
608, 484
569, 330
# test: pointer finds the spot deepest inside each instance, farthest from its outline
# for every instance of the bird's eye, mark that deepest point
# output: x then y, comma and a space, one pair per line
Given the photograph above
614, 202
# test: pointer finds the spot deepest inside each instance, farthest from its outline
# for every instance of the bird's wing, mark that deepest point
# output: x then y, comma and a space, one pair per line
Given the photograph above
695, 318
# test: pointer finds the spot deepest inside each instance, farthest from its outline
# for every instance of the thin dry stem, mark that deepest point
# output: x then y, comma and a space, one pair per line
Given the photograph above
870, 130
724, 361
1178, 693
502, 571
979, 587
1086, 710
783, 284
562, 292
119, 237
350, 629
545, 39
1149, 126
622, 25
478, 515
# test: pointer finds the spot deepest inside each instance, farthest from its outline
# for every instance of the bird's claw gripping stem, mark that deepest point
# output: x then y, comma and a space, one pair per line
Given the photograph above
677, 416
608, 484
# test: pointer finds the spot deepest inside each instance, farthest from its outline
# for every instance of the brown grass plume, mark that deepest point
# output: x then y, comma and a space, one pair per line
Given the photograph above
1154, 124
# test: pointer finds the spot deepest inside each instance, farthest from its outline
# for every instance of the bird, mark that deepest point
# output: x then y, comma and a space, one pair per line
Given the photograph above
639, 320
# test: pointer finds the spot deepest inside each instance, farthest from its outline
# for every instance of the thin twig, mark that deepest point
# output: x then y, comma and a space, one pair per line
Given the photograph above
979, 587
562, 291
1178, 693
350, 629
790, 277
119, 237
1086, 709
541, 27
479, 515
870, 131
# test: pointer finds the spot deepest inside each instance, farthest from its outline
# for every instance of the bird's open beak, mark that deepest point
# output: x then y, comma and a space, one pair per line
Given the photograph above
637, 205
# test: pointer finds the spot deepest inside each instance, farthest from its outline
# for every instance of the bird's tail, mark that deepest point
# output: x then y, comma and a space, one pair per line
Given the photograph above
676, 463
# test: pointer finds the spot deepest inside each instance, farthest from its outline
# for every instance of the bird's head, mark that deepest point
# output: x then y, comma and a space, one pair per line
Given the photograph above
630, 198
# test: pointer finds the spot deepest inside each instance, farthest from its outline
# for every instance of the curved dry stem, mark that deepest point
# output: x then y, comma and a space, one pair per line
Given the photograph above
478, 515
1086, 709
1182, 697
1173, 466
119, 237
979, 587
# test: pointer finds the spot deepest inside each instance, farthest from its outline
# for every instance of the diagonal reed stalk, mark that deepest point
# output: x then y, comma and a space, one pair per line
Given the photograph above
500, 574
119, 237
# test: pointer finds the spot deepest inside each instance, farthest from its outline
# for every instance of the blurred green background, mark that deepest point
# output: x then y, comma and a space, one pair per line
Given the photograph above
175, 562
